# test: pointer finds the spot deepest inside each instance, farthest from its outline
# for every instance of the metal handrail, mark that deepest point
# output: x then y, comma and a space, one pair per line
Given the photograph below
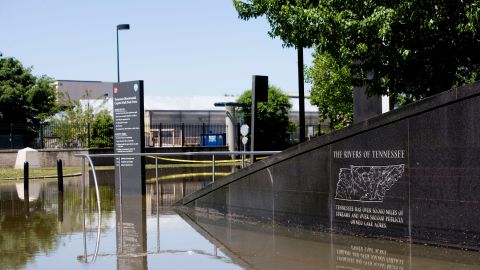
92, 165
205, 153
97, 193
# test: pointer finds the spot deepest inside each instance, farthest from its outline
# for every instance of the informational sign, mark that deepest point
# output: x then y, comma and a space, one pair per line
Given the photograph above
244, 129
370, 176
244, 140
129, 137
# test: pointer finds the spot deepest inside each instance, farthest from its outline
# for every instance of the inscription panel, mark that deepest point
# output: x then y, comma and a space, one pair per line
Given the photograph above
128, 121
370, 183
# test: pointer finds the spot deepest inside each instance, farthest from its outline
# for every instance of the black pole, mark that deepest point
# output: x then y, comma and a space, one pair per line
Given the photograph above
118, 60
252, 126
301, 95
203, 135
25, 177
239, 142
60, 175
60, 206
42, 143
11, 136
182, 127
160, 134
120, 27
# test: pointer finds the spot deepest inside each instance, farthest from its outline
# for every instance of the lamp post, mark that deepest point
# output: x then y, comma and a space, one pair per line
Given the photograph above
301, 94
120, 27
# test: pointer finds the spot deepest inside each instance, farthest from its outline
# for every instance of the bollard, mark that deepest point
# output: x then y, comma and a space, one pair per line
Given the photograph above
60, 175
60, 207
26, 198
25, 176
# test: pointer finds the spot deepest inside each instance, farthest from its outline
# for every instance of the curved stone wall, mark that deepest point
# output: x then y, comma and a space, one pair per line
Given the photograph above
411, 174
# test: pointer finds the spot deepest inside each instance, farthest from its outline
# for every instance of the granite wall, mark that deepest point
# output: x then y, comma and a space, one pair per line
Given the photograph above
411, 174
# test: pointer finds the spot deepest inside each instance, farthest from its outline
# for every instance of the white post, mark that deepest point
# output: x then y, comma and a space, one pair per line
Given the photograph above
230, 121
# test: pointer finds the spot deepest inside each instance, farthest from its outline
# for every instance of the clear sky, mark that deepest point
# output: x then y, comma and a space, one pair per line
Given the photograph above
187, 47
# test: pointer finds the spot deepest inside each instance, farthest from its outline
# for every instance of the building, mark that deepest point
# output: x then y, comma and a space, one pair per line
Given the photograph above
77, 90
178, 120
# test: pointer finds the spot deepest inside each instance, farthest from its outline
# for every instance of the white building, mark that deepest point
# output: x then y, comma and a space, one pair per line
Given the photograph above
164, 115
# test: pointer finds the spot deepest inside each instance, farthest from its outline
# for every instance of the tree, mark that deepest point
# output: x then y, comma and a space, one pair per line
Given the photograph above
78, 121
331, 90
413, 48
102, 130
288, 19
273, 125
24, 98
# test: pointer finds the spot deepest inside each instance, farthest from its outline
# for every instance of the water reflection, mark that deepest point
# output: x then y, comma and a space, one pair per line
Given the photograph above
146, 233
25, 225
131, 231
33, 191
260, 246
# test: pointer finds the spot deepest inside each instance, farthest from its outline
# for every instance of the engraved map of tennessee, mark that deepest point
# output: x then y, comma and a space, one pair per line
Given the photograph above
367, 183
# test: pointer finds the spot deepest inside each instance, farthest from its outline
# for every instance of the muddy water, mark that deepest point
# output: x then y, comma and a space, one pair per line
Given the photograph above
50, 230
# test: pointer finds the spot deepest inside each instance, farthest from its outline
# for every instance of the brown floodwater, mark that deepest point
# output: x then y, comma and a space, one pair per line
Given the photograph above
51, 230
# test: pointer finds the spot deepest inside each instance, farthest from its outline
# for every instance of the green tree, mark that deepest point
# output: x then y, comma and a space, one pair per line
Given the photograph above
102, 130
331, 90
289, 20
273, 125
25, 99
78, 121
413, 48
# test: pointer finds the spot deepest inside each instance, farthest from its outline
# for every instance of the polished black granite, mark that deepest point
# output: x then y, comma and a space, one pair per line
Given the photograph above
411, 174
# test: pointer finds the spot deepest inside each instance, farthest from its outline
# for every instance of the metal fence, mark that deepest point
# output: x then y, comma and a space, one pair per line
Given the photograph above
172, 135
55, 135
311, 131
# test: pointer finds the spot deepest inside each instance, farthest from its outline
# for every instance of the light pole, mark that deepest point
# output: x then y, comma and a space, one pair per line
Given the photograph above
120, 27
301, 94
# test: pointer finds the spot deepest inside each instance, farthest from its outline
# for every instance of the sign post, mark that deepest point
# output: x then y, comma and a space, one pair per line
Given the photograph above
244, 131
129, 137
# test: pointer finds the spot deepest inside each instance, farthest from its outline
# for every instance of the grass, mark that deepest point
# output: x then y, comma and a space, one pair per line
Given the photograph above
7, 175
11, 174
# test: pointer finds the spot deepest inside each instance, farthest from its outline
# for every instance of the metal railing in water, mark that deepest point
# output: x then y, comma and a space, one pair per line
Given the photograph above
89, 157
177, 154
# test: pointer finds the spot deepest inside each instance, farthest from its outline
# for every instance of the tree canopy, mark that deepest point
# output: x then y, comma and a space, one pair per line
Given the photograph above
24, 98
412, 48
287, 19
273, 125
78, 121
331, 90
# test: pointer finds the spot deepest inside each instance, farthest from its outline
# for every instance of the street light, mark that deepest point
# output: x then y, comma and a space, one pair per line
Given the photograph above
120, 27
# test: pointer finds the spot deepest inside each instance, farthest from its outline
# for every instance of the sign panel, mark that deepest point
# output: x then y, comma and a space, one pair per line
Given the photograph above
129, 137
371, 183
244, 129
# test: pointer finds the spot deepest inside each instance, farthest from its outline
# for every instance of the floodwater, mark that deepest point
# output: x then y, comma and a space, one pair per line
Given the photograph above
48, 230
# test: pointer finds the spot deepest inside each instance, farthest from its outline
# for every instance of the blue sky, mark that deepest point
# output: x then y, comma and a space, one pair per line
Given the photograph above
185, 47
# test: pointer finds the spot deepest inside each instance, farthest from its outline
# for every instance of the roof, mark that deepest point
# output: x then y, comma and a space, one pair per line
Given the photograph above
99, 90
202, 103
84, 89
191, 103
185, 103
